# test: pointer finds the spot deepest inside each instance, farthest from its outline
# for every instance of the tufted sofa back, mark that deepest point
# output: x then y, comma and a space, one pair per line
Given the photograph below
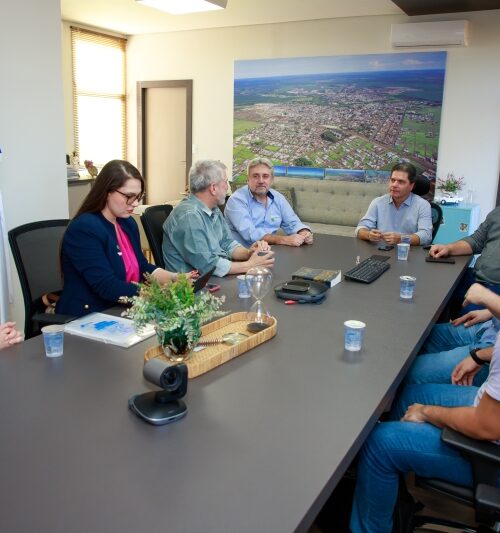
341, 203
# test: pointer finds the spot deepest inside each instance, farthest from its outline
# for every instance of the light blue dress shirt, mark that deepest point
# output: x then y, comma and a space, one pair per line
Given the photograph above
413, 216
197, 237
249, 220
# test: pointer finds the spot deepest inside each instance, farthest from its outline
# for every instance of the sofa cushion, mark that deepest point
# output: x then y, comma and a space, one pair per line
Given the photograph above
331, 229
288, 193
341, 203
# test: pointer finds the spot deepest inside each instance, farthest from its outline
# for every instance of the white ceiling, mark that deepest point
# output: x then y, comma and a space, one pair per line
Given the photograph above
129, 18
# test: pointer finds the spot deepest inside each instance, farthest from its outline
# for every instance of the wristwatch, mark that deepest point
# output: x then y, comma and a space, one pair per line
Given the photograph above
475, 357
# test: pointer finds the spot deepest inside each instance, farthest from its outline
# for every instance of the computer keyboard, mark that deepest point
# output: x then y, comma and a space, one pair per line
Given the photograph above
367, 271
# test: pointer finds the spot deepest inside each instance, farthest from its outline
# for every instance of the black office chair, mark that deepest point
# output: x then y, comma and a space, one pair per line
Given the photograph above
484, 497
36, 251
437, 217
152, 221
422, 187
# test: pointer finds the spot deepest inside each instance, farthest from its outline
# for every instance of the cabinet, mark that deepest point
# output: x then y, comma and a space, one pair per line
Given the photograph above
459, 221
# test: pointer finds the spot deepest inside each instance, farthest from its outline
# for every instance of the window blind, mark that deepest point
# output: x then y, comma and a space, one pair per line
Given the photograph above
99, 95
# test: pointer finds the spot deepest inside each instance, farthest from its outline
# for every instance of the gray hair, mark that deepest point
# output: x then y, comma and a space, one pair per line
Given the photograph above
205, 172
260, 161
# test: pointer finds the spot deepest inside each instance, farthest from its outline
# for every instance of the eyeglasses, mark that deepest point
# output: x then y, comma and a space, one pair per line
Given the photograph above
131, 198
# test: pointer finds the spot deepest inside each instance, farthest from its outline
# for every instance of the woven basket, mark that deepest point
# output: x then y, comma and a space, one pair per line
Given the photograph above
213, 356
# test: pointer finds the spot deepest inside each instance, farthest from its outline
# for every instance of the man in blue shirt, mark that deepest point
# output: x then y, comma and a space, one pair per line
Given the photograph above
256, 212
195, 235
400, 212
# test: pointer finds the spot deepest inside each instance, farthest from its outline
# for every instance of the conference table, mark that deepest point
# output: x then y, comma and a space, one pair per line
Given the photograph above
267, 436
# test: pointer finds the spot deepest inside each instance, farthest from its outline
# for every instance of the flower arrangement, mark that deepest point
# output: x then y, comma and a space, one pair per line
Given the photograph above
450, 183
91, 168
176, 313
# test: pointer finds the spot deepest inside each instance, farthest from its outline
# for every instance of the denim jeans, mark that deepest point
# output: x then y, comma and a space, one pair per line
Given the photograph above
445, 347
395, 448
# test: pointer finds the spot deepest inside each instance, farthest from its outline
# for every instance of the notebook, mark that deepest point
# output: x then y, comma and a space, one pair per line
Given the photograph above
109, 329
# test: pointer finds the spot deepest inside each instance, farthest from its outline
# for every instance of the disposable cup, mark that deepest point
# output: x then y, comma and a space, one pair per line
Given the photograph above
407, 287
53, 339
353, 335
243, 288
403, 250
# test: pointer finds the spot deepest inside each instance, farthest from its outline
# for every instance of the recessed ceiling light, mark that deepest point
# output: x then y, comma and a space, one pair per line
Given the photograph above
178, 7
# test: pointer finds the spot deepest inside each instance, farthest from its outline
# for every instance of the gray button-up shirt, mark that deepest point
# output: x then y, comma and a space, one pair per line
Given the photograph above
197, 237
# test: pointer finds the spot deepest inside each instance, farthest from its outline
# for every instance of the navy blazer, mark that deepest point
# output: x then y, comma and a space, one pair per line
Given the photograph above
92, 264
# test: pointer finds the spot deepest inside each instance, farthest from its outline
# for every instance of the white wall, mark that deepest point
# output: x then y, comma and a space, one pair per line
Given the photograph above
33, 172
470, 132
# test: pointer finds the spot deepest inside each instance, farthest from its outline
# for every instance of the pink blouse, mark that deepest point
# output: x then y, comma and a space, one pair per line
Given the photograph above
129, 258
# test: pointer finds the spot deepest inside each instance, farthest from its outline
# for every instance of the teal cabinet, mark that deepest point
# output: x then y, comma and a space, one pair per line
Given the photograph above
458, 222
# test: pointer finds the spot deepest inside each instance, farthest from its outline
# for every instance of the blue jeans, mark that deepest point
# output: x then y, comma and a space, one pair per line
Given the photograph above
395, 448
445, 347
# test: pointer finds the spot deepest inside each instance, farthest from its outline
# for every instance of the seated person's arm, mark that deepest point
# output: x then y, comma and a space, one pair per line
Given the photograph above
424, 226
84, 248
293, 226
367, 226
464, 372
454, 248
475, 316
479, 422
478, 294
243, 259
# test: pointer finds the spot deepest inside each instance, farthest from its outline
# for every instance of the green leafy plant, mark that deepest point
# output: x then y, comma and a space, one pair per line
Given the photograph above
175, 311
450, 183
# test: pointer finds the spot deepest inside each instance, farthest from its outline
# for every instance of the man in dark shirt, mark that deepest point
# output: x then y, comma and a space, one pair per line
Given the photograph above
485, 241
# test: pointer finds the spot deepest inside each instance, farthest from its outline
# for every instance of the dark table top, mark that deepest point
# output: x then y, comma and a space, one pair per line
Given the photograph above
267, 435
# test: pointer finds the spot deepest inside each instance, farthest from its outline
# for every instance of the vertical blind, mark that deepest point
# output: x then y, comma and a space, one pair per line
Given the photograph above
99, 95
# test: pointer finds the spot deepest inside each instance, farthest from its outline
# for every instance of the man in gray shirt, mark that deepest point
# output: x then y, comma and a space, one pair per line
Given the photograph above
196, 236
400, 212
485, 241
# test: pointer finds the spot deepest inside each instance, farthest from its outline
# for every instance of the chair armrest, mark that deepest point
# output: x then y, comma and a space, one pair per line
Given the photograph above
484, 456
52, 318
488, 497
485, 449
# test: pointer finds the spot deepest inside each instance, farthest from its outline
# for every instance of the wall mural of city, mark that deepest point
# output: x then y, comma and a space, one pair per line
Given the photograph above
355, 113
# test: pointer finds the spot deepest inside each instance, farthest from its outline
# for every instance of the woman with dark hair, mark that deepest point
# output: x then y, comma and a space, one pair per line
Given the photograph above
101, 254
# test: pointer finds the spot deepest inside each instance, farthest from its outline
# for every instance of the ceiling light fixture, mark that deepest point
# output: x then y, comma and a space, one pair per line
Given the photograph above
179, 7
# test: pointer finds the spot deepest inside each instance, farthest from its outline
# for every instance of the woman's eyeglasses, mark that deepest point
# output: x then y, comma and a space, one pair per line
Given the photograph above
131, 198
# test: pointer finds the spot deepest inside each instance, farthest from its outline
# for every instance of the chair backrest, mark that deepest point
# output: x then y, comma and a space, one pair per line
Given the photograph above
152, 221
36, 251
437, 217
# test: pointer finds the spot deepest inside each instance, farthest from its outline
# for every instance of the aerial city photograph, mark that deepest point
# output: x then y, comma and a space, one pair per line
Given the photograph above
339, 117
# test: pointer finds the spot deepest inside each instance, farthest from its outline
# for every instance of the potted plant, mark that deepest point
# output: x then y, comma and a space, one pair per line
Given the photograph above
449, 187
176, 313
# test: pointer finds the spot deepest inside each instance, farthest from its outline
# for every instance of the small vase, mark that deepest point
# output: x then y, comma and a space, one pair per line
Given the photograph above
175, 345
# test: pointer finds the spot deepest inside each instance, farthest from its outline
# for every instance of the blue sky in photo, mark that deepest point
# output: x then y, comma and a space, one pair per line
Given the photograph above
262, 68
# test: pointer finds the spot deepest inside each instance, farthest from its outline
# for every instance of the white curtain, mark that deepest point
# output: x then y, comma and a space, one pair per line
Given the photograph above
5, 276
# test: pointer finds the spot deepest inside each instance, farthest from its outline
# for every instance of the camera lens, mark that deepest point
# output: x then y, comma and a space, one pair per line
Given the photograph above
171, 379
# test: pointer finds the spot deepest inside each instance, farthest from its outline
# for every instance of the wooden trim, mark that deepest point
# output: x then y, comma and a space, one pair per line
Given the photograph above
142, 87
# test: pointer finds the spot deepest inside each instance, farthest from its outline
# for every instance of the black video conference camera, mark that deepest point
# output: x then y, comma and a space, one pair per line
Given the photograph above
165, 406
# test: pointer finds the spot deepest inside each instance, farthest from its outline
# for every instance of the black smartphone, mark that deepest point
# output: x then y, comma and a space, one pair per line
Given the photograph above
385, 247
212, 287
430, 259
428, 247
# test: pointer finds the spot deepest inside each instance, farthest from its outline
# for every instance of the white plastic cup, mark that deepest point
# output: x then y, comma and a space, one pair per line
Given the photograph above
407, 287
353, 335
243, 288
53, 339
403, 250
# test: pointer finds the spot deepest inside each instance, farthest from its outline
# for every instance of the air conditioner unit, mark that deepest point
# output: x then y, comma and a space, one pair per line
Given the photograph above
444, 33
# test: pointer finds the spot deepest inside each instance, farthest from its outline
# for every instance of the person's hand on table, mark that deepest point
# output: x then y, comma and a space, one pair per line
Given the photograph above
266, 260
374, 235
391, 237
439, 250
308, 235
260, 246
